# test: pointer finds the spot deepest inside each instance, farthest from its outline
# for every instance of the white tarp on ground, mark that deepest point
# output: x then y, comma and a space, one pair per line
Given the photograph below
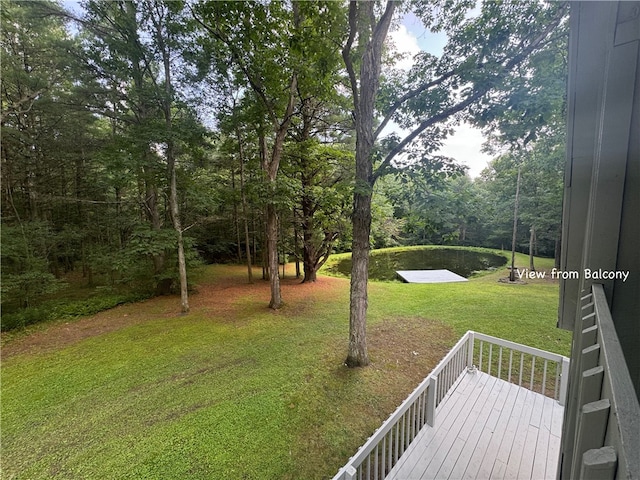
429, 276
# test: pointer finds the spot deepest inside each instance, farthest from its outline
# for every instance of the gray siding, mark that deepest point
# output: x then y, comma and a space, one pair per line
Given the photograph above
601, 216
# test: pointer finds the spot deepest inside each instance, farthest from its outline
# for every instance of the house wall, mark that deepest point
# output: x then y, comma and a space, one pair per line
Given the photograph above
601, 218
601, 214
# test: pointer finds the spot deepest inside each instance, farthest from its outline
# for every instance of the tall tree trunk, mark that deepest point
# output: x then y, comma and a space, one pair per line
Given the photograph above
283, 250
159, 23
512, 274
255, 238
309, 254
281, 120
272, 256
177, 225
358, 355
236, 217
296, 247
308, 260
271, 164
364, 96
532, 241
243, 200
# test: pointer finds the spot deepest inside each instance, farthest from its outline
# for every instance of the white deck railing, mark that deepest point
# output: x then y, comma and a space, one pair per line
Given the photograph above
537, 370
375, 459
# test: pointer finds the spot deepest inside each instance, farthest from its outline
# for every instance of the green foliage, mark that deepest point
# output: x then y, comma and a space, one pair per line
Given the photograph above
24, 266
541, 191
25, 288
64, 309
386, 229
487, 65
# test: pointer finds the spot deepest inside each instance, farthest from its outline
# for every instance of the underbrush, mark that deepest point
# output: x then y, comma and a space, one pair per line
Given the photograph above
76, 300
64, 309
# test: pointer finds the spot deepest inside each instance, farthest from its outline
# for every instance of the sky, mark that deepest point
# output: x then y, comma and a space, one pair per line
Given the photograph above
465, 146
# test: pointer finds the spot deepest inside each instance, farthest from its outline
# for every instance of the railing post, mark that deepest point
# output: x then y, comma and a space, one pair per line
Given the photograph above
350, 473
431, 401
592, 427
590, 357
589, 336
472, 336
564, 381
599, 464
592, 385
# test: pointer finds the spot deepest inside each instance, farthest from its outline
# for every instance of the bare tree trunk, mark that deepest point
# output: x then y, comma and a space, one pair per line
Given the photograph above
512, 274
532, 241
309, 253
296, 247
272, 256
271, 226
283, 251
358, 355
162, 42
243, 199
236, 217
271, 164
364, 95
177, 225
255, 238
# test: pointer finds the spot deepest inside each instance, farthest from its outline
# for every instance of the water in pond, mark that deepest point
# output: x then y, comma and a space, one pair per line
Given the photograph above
383, 265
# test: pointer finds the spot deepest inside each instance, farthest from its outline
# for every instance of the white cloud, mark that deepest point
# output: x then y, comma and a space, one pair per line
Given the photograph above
465, 146
405, 42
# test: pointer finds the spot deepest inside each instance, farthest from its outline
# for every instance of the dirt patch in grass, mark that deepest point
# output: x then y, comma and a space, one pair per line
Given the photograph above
409, 342
403, 351
217, 297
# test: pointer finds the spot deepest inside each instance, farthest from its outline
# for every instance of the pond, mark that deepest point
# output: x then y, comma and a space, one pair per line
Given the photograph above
383, 265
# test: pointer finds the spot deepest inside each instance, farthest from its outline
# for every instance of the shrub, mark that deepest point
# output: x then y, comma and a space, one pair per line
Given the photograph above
56, 309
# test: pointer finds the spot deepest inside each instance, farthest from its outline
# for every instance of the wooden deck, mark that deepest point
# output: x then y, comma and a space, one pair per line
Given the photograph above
486, 428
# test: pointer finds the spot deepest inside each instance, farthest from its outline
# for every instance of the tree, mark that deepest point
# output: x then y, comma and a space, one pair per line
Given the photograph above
531, 123
163, 18
483, 52
325, 177
540, 197
273, 44
364, 88
47, 138
124, 65
256, 38
514, 237
130, 50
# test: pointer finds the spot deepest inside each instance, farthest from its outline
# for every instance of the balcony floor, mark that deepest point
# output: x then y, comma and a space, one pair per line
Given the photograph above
486, 428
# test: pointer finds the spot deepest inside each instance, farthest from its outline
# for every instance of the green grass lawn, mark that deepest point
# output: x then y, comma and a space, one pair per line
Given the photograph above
236, 391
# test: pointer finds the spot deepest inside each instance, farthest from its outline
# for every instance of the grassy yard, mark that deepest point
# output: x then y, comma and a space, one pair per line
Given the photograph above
236, 391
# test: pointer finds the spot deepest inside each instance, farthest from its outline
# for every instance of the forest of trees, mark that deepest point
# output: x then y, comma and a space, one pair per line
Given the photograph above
143, 137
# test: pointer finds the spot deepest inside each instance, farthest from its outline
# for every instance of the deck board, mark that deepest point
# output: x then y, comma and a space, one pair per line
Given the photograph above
476, 422
520, 437
486, 428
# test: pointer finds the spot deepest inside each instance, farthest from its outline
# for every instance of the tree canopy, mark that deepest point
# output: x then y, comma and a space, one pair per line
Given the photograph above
140, 138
